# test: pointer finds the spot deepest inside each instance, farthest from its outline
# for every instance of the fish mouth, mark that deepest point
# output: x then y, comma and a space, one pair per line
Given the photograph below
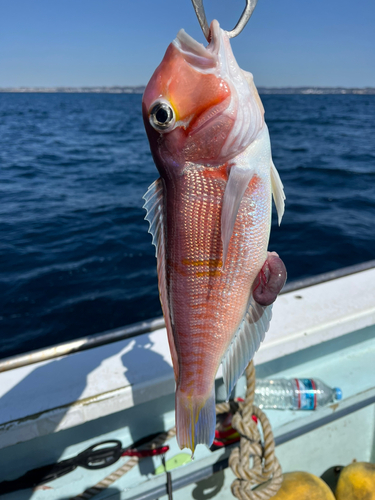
200, 57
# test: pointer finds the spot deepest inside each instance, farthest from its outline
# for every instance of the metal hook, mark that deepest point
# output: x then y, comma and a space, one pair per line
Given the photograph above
245, 16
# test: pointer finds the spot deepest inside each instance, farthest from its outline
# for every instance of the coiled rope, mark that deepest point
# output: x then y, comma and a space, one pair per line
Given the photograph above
255, 465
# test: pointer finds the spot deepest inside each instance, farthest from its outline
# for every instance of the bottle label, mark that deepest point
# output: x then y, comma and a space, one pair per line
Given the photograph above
306, 393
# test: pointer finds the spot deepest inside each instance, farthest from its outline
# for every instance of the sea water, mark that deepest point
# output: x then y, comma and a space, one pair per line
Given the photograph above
75, 255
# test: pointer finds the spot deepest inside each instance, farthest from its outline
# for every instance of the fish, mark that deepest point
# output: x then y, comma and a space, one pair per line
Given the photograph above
209, 215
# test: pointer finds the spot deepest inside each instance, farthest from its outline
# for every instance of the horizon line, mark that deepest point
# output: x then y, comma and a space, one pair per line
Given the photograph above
138, 89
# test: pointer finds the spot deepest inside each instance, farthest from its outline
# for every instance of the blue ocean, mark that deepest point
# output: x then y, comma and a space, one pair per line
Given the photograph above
75, 255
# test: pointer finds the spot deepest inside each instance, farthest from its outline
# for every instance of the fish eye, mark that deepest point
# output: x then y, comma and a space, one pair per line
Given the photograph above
162, 116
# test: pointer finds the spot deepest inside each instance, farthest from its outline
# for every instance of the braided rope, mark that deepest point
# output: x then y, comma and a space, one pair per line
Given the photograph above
252, 463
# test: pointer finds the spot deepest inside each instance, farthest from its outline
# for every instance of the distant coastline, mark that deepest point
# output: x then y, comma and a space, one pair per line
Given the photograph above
139, 90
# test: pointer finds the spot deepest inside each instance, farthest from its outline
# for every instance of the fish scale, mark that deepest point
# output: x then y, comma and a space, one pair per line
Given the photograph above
199, 291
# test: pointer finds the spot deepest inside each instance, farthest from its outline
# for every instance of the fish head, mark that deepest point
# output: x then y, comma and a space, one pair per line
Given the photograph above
199, 106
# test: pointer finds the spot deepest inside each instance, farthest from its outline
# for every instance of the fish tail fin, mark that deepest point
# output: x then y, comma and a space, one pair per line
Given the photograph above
195, 419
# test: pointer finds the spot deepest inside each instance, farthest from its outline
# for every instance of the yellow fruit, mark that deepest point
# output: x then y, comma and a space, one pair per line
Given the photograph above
303, 486
356, 482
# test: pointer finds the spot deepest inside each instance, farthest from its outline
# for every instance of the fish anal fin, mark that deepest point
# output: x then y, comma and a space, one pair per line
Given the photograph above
245, 343
278, 192
195, 419
154, 205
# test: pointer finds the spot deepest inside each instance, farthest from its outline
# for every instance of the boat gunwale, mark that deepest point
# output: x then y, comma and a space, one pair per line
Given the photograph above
131, 331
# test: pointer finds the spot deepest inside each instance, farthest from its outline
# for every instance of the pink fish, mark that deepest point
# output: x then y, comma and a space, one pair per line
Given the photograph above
210, 218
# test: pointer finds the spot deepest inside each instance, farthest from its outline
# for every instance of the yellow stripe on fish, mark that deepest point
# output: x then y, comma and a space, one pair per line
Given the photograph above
208, 262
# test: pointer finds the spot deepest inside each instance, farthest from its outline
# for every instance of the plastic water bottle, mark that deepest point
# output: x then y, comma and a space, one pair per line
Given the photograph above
294, 394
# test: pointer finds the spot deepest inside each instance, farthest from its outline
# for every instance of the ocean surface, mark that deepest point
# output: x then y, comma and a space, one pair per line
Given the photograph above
75, 255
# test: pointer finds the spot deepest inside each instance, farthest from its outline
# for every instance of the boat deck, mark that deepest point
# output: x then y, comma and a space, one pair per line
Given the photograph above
55, 409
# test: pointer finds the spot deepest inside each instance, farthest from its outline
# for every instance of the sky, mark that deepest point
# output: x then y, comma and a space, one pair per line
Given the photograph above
46, 43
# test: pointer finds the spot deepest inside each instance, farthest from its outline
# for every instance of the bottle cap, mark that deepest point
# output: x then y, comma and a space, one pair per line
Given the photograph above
338, 393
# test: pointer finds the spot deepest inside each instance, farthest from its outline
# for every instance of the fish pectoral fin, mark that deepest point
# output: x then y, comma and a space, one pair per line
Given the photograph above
239, 178
241, 171
245, 343
277, 192
195, 419
154, 205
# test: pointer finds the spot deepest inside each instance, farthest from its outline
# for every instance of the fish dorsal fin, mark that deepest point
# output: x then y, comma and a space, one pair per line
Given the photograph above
154, 201
154, 205
245, 343
278, 192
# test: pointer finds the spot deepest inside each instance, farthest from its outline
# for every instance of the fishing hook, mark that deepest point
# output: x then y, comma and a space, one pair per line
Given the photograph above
245, 16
